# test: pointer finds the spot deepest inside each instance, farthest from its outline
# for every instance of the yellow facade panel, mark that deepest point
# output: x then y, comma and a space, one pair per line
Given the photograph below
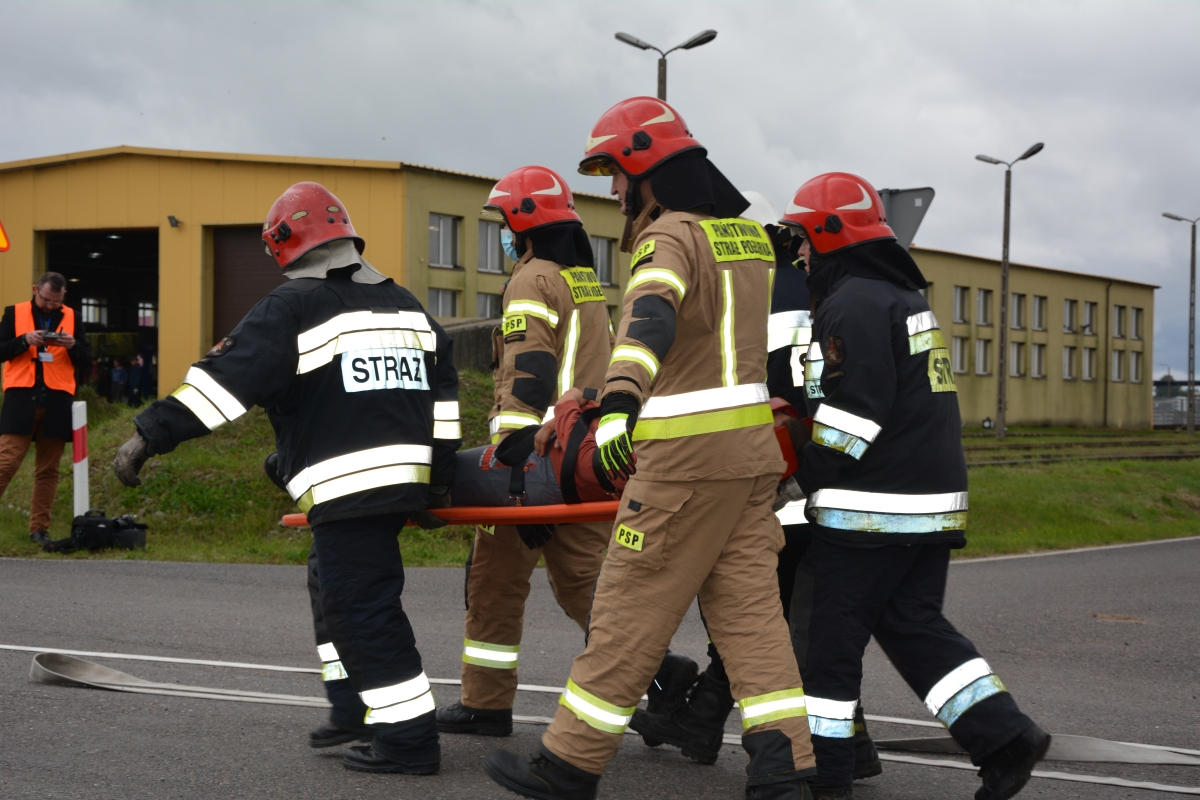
112, 193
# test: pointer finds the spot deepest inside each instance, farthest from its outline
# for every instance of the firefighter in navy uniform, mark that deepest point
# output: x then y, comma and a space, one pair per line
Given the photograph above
360, 387
886, 484
699, 727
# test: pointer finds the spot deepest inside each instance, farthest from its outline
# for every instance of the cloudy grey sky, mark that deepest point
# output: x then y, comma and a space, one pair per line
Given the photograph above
903, 93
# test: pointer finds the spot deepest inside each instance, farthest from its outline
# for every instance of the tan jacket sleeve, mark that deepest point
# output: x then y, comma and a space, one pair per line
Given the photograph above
662, 272
529, 363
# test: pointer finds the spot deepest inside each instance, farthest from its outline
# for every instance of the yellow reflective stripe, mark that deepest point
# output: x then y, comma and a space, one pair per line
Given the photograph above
649, 274
677, 405
711, 422
926, 340
838, 440
400, 702
361, 482
447, 430
776, 705
566, 374
515, 419
728, 349
350, 463
495, 656
638, 355
924, 321
533, 308
333, 671
365, 340
200, 405
601, 715
217, 394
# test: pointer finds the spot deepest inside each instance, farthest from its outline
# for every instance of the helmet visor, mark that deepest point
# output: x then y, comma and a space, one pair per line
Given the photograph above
598, 165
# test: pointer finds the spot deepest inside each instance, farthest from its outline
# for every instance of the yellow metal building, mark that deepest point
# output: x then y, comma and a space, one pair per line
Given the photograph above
199, 216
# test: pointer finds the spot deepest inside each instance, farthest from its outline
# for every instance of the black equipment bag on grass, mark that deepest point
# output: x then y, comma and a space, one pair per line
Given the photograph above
95, 531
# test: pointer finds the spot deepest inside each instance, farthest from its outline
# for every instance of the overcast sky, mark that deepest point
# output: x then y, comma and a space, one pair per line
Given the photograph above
904, 94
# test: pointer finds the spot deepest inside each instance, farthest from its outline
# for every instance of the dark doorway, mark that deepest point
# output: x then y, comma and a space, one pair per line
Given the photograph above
243, 274
112, 284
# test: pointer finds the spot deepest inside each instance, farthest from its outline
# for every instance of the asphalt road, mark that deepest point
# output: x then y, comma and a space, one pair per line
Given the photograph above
1129, 674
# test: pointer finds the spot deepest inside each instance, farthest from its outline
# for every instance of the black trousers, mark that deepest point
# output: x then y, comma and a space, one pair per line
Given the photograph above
361, 577
348, 708
896, 593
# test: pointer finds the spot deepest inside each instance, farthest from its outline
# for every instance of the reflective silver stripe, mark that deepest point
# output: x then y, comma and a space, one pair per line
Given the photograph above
446, 410
648, 274
792, 513
814, 352
327, 652
549, 415
797, 366
217, 394
362, 330
830, 728
595, 712
360, 321
839, 440
788, 328
638, 355
399, 702
566, 375
768, 707
884, 503
610, 430
200, 405
447, 430
852, 424
677, 405
333, 671
728, 344
534, 308
496, 656
919, 323
364, 340
513, 419
493, 426
954, 682
351, 463
831, 709
889, 523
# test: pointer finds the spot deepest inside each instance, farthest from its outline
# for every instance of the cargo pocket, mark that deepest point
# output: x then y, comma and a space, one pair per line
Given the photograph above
643, 528
497, 347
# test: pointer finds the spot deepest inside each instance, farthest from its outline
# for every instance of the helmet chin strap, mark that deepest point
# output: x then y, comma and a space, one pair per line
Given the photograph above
633, 210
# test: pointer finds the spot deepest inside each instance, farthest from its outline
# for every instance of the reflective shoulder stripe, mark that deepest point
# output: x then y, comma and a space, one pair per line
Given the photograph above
362, 330
923, 333
566, 373
768, 707
709, 422
638, 355
533, 308
597, 713
792, 513
399, 702
919, 323
360, 321
648, 274
677, 405
853, 424
364, 340
495, 656
728, 341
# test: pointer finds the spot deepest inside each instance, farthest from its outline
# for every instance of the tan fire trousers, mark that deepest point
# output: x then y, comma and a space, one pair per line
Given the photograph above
497, 588
672, 542
13, 449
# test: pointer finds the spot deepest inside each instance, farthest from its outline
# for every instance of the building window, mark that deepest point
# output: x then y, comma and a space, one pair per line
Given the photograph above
147, 315
94, 310
1016, 359
983, 357
1016, 312
443, 303
1070, 309
443, 241
1089, 319
983, 310
1039, 313
961, 301
1118, 322
1135, 323
1089, 363
488, 306
491, 254
1118, 366
1069, 363
1037, 360
1135, 367
958, 355
603, 251
925, 292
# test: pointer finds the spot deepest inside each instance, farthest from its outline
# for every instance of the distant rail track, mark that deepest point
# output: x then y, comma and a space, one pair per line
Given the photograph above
1058, 459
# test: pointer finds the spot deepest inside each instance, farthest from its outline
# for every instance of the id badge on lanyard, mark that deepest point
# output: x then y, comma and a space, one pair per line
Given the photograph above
46, 357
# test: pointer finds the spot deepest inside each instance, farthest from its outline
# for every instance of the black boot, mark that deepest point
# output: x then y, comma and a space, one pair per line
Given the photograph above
543, 776
866, 757
1006, 771
668, 691
330, 734
458, 718
698, 728
365, 758
39, 537
789, 790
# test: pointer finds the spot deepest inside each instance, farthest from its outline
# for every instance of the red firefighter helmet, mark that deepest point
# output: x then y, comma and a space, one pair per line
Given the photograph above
836, 210
304, 216
530, 197
636, 135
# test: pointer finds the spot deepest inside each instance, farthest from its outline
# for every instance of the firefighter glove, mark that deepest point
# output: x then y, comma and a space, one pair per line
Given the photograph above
788, 492
618, 415
131, 458
271, 467
436, 497
535, 536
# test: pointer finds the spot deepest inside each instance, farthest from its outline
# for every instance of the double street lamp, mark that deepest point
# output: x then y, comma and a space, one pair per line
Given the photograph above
1191, 403
704, 37
1002, 360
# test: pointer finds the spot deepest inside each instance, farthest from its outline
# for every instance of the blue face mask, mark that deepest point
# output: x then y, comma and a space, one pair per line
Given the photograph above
508, 243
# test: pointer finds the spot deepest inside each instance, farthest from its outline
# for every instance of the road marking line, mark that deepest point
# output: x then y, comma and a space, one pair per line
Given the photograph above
1072, 551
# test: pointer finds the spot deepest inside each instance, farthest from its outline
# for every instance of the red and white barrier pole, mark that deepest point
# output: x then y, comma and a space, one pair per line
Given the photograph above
79, 450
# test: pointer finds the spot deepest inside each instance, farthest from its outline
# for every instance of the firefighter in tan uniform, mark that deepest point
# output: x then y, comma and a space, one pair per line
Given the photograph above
555, 334
685, 388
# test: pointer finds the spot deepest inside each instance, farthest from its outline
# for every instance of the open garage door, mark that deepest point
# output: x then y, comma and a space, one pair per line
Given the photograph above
243, 274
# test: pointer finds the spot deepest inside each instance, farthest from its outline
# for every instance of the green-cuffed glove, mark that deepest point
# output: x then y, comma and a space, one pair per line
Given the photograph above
618, 415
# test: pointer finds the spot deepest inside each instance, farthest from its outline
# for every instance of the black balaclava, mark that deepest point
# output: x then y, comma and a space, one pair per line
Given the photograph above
880, 259
689, 182
563, 243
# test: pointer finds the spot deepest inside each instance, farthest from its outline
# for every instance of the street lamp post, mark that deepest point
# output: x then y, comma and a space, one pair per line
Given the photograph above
1002, 356
704, 37
1191, 404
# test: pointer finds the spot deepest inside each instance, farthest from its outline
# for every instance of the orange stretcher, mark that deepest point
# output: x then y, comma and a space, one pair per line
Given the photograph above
507, 515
